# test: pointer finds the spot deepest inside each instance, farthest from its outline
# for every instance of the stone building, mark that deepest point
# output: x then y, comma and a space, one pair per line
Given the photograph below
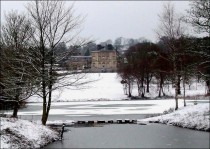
104, 60
78, 62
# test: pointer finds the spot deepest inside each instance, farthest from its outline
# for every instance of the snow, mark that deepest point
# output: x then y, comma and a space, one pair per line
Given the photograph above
16, 133
193, 117
58, 122
105, 107
108, 87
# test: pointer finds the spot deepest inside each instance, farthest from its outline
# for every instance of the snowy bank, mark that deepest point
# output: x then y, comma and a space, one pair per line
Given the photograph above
60, 122
193, 117
16, 133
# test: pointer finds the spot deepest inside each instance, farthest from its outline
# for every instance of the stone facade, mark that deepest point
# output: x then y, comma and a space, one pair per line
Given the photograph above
104, 60
79, 62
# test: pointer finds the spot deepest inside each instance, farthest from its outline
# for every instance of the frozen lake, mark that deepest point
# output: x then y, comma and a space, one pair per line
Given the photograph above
118, 135
94, 110
100, 110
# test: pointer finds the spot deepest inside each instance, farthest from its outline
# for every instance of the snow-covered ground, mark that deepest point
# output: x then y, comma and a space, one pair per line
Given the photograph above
59, 122
16, 133
193, 117
108, 87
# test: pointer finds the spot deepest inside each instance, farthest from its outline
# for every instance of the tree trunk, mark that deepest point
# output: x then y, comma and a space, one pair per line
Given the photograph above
139, 88
159, 95
161, 86
44, 112
129, 94
142, 88
43, 73
163, 91
16, 107
129, 88
50, 84
147, 84
178, 84
176, 79
184, 90
176, 97
208, 87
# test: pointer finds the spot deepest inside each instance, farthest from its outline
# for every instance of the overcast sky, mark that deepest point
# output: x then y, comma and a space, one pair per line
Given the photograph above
111, 19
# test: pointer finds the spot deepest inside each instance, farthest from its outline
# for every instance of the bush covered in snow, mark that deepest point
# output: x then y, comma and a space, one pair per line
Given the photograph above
16, 133
193, 117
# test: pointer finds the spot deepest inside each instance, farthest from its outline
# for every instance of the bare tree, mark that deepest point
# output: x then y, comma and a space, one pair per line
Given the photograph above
199, 17
17, 80
171, 28
53, 23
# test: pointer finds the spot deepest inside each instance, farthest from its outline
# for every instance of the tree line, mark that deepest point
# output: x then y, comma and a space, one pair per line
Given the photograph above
176, 56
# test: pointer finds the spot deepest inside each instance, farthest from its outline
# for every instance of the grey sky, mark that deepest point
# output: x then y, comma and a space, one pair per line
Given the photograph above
111, 19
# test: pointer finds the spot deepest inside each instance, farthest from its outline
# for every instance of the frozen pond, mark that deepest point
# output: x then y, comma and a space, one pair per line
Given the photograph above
94, 110
132, 136
118, 135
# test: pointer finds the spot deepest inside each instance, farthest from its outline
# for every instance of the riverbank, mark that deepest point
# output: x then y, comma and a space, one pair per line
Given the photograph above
193, 117
17, 133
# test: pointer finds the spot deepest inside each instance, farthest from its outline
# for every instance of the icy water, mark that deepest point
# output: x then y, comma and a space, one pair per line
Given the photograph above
118, 135
99, 110
132, 136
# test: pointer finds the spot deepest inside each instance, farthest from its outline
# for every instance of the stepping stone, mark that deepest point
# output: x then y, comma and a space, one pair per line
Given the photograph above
119, 121
100, 122
80, 122
142, 123
110, 121
90, 122
134, 121
127, 121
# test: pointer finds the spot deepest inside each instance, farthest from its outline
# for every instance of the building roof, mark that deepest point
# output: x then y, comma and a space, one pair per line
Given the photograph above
80, 56
103, 51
